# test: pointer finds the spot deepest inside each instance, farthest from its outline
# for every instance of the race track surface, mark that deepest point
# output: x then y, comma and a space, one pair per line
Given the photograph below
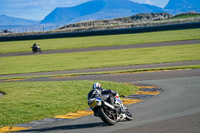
145, 45
175, 110
104, 69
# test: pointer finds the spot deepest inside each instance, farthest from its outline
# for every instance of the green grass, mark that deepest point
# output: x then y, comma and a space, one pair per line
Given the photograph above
120, 72
184, 16
159, 69
83, 60
28, 101
105, 72
97, 41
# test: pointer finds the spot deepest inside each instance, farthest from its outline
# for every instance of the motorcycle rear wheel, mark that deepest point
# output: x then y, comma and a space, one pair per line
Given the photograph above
107, 118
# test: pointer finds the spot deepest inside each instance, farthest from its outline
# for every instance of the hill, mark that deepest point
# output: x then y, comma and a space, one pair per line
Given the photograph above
117, 23
7, 20
98, 9
179, 6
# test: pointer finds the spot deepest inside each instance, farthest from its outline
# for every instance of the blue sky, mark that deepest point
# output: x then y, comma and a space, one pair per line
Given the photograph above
38, 9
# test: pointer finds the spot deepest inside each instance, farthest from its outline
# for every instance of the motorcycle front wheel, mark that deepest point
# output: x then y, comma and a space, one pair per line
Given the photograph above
129, 116
40, 50
106, 116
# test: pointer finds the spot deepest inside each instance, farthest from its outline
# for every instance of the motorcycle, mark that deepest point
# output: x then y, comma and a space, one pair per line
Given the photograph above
107, 112
36, 49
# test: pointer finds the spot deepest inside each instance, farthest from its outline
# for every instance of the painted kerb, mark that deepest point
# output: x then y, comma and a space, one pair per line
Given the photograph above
145, 92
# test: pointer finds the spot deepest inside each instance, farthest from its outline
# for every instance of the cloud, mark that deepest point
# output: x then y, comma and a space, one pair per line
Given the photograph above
149, 2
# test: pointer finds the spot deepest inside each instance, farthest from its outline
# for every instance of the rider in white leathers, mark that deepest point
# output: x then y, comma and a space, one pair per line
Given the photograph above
98, 91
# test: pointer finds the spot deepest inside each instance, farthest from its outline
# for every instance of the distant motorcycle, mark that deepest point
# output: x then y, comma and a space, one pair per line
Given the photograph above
108, 113
36, 49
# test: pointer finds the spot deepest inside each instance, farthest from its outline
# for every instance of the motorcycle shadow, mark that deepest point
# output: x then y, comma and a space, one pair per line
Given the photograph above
68, 127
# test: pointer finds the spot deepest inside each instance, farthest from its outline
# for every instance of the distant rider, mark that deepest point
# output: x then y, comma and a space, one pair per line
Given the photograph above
35, 46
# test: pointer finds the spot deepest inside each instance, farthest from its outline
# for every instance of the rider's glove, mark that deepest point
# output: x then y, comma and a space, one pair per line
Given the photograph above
112, 92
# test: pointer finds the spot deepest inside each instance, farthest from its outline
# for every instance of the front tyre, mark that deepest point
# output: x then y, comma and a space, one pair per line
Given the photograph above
129, 116
40, 50
106, 116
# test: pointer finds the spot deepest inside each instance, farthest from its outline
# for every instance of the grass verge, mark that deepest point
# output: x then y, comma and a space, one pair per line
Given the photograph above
19, 78
97, 41
131, 71
28, 101
95, 59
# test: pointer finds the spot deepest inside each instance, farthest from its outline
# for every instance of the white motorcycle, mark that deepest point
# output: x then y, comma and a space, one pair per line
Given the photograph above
107, 112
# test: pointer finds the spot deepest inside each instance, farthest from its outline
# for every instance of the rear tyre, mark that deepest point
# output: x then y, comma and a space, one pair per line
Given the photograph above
107, 117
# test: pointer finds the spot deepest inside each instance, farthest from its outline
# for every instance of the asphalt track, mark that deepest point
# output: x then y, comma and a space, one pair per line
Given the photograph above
105, 69
175, 110
144, 45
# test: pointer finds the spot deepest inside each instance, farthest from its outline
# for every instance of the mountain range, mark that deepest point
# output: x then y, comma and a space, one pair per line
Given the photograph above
98, 9
104, 9
179, 6
108, 9
6, 20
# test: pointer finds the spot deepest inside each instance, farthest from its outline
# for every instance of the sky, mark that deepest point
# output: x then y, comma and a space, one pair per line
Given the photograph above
38, 9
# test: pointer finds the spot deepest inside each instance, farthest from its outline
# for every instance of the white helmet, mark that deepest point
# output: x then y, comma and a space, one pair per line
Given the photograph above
96, 86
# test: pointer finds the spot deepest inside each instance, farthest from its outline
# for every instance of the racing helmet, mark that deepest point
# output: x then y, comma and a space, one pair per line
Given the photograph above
96, 86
